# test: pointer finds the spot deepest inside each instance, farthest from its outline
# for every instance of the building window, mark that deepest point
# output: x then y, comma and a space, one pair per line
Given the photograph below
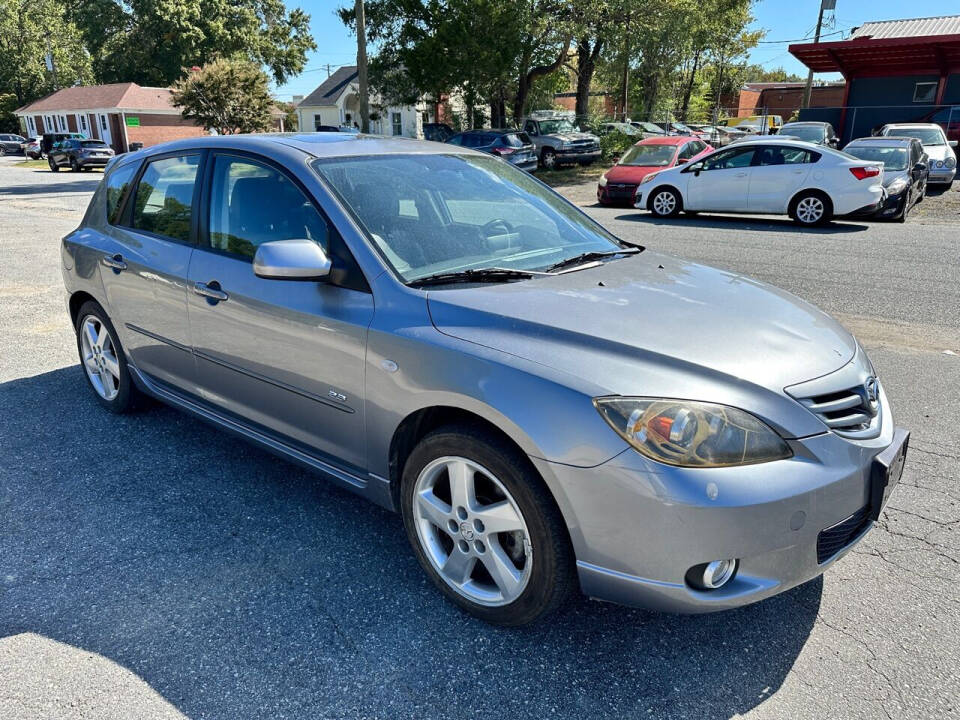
83, 123
62, 119
317, 123
397, 123
925, 92
103, 122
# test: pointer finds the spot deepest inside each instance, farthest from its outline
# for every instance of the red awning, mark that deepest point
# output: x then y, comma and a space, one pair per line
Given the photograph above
937, 54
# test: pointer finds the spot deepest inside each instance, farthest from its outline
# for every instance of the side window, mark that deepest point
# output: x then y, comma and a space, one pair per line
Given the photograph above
251, 203
117, 184
784, 156
530, 127
731, 159
163, 203
456, 140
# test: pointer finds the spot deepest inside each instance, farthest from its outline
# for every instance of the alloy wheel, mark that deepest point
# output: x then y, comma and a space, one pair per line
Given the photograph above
472, 531
100, 357
810, 210
664, 203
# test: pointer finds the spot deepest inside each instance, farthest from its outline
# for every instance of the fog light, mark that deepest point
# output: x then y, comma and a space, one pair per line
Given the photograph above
712, 575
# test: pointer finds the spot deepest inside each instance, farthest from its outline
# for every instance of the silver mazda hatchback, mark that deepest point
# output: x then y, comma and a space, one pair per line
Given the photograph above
550, 408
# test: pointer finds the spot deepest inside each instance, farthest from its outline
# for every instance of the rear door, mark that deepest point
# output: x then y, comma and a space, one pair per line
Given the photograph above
722, 182
778, 172
144, 268
286, 357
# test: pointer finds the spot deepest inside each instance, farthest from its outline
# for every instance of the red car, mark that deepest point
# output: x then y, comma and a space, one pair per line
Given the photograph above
619, 183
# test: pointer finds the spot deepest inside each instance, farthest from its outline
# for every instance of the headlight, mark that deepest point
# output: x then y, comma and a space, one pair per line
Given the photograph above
897, 186
648, 178
692, 434
603, 181
951, 162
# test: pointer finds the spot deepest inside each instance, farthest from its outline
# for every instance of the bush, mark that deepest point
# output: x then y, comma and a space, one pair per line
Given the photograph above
615, 144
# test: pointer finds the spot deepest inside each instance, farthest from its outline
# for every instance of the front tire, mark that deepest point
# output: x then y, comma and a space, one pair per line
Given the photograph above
665, 203
485, 528
74, 166
53, 166
103, 361
548, 159
811, 209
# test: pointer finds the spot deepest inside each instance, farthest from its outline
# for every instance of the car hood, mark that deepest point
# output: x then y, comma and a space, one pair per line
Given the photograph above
571, 136
630, 173
634, 325
938, 152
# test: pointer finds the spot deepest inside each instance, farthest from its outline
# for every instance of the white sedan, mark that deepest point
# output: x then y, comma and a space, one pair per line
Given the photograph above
810, 183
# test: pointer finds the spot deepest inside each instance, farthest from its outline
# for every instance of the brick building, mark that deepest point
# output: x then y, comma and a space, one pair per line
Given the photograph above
119, 114
781, 98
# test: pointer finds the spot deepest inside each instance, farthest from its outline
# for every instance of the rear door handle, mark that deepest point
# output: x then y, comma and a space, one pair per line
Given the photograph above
210, 291
740, 174
114, 262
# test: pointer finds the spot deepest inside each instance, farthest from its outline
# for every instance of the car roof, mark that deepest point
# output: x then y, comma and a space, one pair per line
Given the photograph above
319, 144
806, 122
668, 140
487, 131
767, 139
918, 126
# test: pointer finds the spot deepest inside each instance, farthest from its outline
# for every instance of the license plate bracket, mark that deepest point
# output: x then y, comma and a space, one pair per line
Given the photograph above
887, 470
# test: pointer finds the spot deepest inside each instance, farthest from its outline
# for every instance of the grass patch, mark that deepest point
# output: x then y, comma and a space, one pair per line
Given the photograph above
32, 164
573, 174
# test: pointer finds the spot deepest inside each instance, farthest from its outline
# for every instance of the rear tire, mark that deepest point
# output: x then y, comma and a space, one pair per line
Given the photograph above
665, 203
103, 362
53, 166
531, 570
74, 166
811, 208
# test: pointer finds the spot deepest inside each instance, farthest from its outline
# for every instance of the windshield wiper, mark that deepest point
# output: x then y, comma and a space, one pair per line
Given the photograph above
475, 275
589, 256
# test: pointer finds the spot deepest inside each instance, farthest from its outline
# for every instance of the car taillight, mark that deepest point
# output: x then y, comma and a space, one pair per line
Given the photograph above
862, 173
503, 150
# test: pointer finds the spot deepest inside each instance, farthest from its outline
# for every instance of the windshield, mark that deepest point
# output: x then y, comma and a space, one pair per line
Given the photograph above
548, 127
443, 213
927, 136
649, 156
681, 127
893, 158
810, 133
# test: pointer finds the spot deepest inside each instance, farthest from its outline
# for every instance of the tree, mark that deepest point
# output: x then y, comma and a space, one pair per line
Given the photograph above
149, 41
229, 96
25, 40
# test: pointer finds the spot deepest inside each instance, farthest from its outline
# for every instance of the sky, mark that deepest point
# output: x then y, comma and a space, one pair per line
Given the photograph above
783, 20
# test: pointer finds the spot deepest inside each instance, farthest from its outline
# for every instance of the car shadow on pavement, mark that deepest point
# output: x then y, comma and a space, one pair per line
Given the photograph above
738, 222
52, 188
238, 585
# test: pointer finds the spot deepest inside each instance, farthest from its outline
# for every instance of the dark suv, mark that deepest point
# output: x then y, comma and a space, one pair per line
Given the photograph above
512, 145
79, 154
11, 144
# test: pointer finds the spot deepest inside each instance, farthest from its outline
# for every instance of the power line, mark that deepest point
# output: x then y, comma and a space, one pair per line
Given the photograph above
781, 42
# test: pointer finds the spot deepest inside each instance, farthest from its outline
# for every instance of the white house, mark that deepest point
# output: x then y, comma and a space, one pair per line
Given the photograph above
337, 102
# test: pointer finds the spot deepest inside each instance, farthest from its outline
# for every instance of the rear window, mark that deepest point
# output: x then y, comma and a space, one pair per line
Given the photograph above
511, 140
93, 143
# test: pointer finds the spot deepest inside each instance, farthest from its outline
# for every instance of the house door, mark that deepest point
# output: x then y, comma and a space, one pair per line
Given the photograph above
104, 129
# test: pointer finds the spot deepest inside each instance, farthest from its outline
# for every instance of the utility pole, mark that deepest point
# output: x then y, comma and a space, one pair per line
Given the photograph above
824, 5
626, 68
362, 67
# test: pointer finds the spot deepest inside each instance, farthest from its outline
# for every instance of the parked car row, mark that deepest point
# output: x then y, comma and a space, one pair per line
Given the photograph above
798, 172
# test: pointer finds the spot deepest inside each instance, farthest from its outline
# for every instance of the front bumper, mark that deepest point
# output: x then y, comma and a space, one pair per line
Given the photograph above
942, 176
617, 193
577, 156
637, 527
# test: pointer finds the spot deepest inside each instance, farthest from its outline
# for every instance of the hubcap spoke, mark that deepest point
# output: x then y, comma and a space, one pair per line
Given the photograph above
502, 570
499, 517
461, 484
434, 509
459, 566
111, 364
104, 337
91, 334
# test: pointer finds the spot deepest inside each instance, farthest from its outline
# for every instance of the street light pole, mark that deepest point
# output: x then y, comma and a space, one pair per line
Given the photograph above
362, 67
824, 5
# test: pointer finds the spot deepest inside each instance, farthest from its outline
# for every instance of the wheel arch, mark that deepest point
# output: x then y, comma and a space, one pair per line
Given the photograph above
76, 301
810, 191
664, 186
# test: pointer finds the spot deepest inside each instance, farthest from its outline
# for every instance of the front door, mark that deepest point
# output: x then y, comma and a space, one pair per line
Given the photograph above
104, 129
285, 356
777, 173
722, 182
144, 268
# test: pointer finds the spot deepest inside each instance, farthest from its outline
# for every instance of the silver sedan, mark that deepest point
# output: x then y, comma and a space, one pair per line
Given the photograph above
550, 408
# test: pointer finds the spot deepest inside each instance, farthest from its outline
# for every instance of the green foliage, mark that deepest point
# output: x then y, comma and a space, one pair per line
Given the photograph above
614, 144
229, 96
9, 123
28, 30
290, 123
149, 41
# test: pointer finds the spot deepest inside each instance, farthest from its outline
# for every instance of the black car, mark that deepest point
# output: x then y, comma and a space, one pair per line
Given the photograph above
514, 146
438, 132
818, 133
79, 154
906, 170
11, 144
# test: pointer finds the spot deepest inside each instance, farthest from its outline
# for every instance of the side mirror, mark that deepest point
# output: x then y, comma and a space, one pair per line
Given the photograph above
920, 167
291, 260
682, 161
952, 143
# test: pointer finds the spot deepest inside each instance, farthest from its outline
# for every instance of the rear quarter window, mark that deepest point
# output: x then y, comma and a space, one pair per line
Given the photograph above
117, 184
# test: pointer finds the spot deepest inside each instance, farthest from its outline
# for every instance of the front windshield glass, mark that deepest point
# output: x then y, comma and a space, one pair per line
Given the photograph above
649, 155
548, 127
893, 158
810, 133
681, 127
429, 214
927, 136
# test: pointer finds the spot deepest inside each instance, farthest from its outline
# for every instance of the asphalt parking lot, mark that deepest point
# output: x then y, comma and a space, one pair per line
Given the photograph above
153, 567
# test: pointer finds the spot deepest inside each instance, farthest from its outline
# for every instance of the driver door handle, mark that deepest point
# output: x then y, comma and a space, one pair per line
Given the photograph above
114, 262
740, 174
210, 290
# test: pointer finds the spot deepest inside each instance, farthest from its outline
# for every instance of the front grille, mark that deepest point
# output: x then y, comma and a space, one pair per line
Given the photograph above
835, 538
621, 190
845, 411
582, 146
